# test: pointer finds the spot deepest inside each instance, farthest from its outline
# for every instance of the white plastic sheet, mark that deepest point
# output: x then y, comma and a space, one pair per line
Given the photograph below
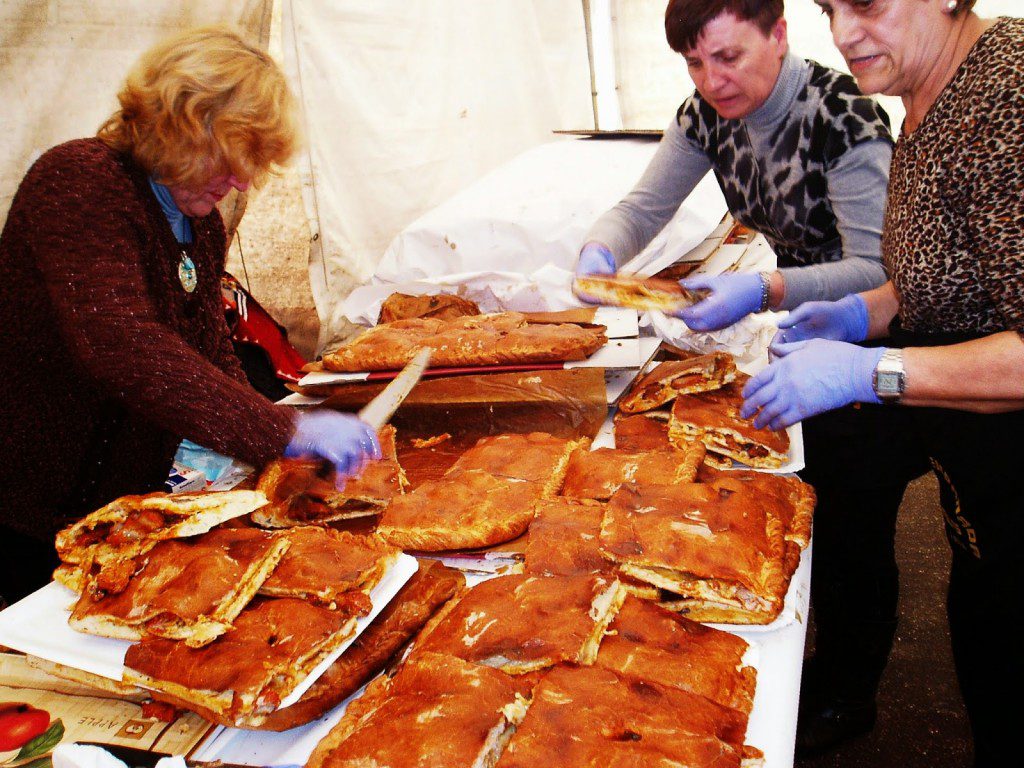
510, 240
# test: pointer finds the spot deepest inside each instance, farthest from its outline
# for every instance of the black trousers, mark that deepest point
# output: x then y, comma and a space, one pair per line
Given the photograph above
859, 460
977, 460
26, 564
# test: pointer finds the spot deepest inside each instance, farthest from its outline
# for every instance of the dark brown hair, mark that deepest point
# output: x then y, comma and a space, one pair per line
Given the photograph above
685, 19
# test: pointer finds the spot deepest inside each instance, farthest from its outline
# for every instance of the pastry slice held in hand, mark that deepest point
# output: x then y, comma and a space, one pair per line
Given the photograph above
637, 292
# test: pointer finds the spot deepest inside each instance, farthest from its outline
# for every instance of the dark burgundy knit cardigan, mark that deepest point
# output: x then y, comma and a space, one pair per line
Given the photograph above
106, 361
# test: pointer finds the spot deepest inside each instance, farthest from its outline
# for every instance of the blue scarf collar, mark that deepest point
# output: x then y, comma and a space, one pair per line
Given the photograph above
179, 222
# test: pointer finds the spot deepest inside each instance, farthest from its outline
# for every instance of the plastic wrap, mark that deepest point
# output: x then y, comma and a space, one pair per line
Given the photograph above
565, 403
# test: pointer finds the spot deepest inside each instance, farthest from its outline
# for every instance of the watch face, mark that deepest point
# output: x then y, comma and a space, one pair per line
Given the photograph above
888, 381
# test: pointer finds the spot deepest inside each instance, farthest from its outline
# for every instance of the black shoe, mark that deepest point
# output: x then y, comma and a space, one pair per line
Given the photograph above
825, 726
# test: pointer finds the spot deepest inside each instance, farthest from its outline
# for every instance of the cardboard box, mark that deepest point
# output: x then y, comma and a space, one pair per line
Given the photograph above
67, 712
184, 479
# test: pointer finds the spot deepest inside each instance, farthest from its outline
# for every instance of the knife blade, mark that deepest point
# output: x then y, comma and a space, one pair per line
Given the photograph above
377, 412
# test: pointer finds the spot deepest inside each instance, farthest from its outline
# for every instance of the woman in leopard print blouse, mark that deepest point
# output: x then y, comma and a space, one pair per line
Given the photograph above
953, 246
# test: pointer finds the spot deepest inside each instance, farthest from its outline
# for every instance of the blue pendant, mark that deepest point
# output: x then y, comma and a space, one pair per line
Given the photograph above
187, 273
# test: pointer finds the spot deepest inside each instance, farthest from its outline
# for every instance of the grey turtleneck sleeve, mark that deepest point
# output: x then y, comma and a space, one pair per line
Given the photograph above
677, 167
856, 185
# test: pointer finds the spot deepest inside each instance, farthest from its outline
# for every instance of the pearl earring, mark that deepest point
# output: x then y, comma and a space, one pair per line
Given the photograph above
952, 5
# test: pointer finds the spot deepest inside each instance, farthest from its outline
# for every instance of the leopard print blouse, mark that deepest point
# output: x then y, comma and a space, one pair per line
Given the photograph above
764, 192
953, 238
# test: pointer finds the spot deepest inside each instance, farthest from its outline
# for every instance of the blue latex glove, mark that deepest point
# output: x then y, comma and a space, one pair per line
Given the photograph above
843, 320
732, 298
595, 259
340, 438
808, 378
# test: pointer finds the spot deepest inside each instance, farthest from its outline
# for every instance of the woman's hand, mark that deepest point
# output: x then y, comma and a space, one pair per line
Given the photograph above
808, 378
732, 298
595, 259
344, 440
843, 320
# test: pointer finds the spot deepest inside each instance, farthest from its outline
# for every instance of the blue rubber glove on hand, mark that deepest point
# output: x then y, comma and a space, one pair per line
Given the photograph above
595, 259
732, 298
808, 378
843, 320
340, 438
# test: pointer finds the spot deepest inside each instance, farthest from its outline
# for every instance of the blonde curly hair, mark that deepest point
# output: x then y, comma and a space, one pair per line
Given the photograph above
201, 104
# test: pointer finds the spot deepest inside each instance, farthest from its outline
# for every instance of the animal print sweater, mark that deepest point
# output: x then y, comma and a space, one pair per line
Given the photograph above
954, 226
807, 169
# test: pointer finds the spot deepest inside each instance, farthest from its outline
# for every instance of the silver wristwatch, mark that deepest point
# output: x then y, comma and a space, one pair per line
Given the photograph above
889, 379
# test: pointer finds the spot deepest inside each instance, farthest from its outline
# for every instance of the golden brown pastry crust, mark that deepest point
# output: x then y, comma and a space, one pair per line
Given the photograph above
100, 546
323, 565
650, 642
485, 498
497, 339
796, 500
643, 431
274, 645
537, 457
428, 589
599, 473
564, 540
622, 720
474, 509
507, 623
714, 419
302, 491
672, 378
637, 292
186, 589
437, 710
720, 542
442, 306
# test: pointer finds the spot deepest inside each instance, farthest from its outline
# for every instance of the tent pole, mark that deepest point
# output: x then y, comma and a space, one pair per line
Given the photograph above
590, 61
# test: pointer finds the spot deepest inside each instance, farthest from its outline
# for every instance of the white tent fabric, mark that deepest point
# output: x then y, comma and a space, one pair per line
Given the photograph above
62, 63
408, 102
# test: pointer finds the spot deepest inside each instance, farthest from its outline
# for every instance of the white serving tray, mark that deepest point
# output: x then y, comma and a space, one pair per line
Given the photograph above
775, 651
619, 322
38, 625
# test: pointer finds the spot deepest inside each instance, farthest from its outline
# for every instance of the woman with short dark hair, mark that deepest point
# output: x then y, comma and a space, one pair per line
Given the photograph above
802, 156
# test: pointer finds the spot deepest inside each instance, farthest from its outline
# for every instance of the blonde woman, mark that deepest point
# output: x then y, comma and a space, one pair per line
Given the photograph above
113, 343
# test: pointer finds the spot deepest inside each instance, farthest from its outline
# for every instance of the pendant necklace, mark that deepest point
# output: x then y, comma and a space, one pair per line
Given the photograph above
187, 273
